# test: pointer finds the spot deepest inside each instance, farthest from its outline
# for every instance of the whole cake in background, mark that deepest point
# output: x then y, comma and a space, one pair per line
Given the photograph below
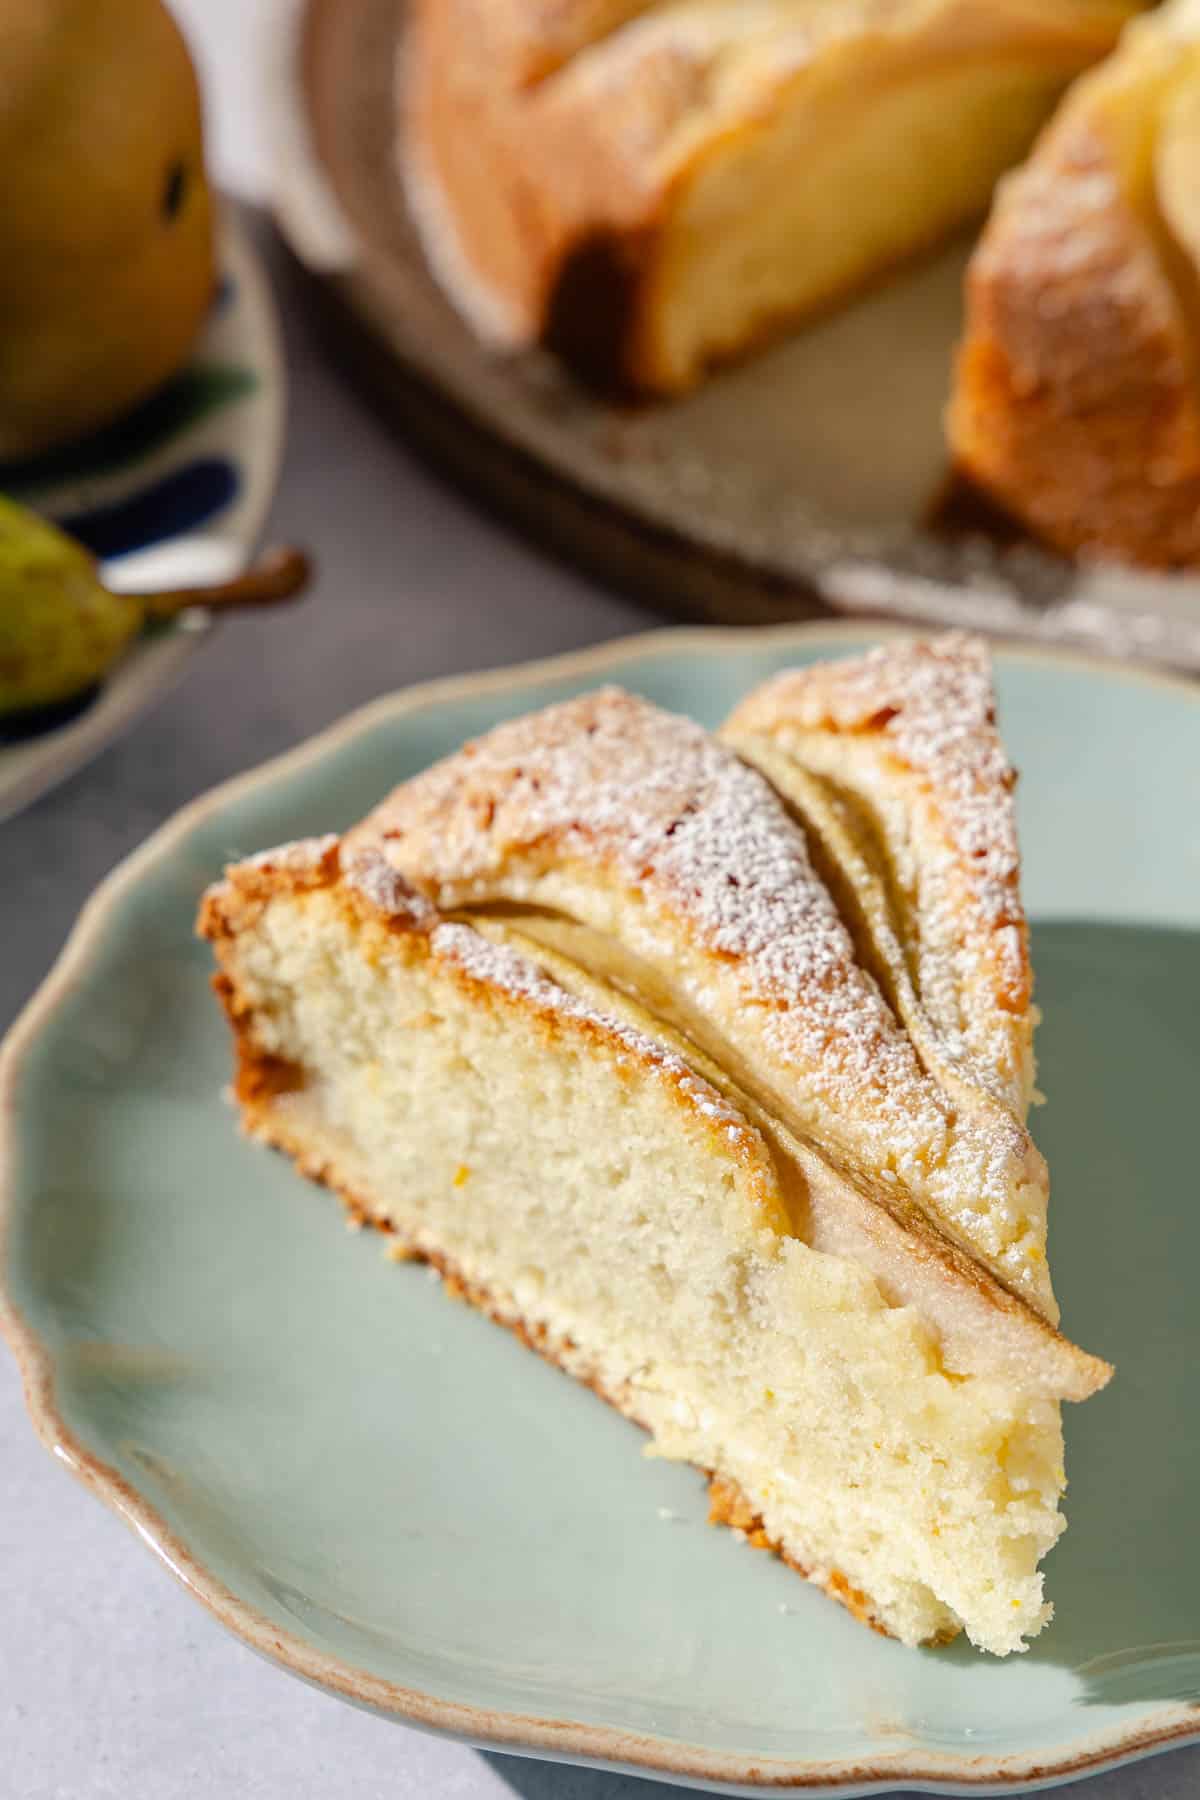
653, 188
703, 1063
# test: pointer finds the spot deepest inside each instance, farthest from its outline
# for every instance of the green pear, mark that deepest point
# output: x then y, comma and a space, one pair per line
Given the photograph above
61, 629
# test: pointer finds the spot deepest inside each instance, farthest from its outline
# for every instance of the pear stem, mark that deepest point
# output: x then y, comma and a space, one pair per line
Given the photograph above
276, 576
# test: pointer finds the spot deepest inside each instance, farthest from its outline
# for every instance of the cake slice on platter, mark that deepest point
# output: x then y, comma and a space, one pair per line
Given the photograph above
1077, 400
652, 189
585, 1015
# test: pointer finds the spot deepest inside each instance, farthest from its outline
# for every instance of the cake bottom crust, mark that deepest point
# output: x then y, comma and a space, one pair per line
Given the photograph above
728, 1504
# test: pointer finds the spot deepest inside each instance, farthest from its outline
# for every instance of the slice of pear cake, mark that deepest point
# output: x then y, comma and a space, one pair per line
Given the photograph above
658, 1057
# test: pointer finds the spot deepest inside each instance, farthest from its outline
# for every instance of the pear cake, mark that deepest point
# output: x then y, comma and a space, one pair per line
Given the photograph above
650, 188
1077, 401
702, 1062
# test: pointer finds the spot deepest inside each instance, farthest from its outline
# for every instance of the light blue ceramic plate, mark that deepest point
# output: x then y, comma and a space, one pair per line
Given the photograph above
172, 495
387, 1495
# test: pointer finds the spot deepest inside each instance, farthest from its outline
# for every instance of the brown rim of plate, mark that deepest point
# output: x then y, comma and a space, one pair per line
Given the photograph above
566, 1739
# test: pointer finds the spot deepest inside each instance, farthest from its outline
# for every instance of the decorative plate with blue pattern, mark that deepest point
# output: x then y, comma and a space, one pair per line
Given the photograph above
172, 495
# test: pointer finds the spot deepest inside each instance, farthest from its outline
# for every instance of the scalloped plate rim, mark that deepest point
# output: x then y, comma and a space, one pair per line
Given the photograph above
1174, 1724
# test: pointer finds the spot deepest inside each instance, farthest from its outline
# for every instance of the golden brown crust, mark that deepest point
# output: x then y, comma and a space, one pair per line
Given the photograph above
548, 151
461, 126
234, 903
387, 917
1077, 396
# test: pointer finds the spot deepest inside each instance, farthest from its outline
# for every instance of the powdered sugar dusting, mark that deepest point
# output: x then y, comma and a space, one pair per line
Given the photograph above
608, 779
932, 704
300, 854
371, 875
500, 966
